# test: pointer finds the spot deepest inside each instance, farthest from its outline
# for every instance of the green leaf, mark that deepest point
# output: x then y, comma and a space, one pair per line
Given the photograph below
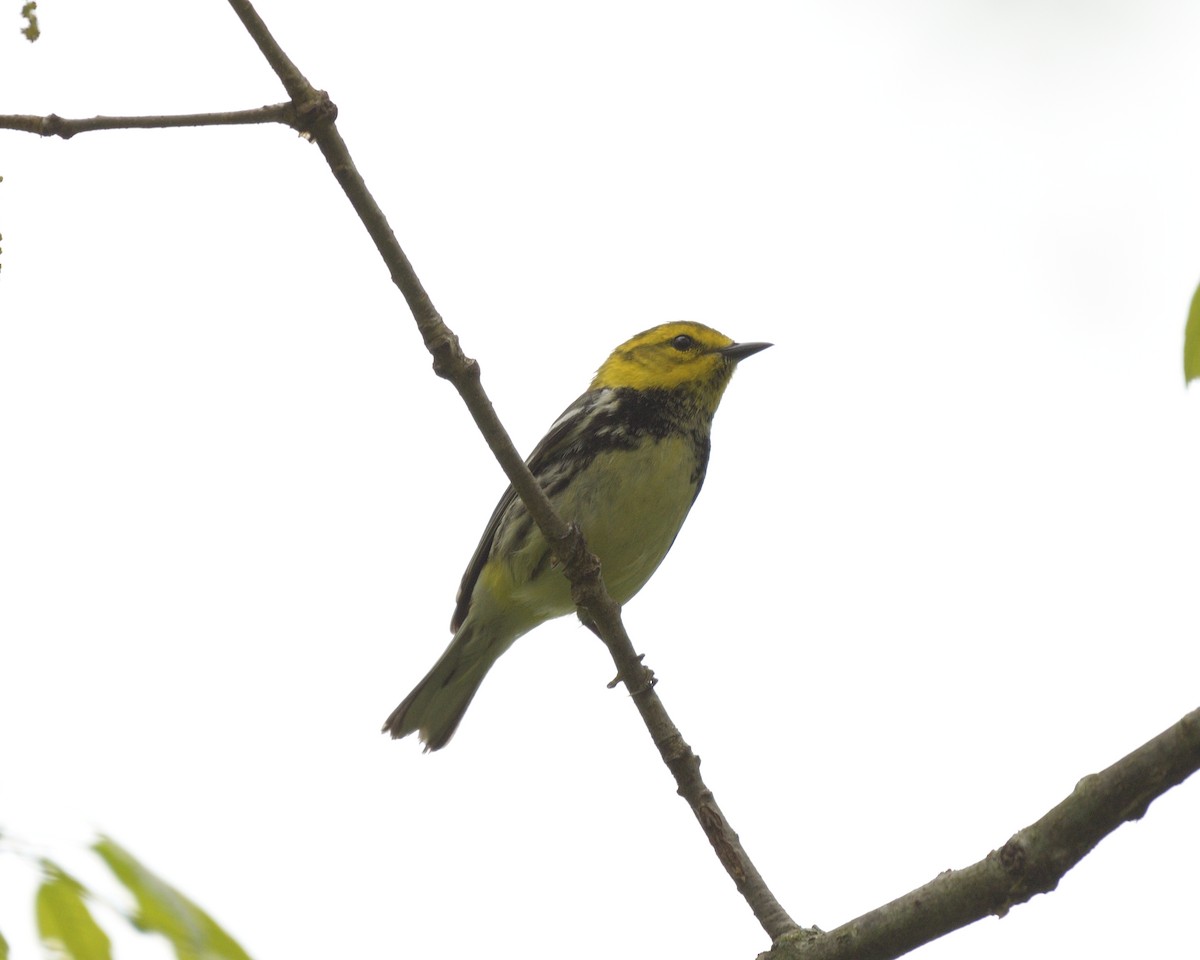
3, 948
1191, 341
64, 921
163, 909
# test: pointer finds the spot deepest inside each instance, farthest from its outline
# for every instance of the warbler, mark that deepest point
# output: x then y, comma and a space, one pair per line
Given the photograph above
624, 462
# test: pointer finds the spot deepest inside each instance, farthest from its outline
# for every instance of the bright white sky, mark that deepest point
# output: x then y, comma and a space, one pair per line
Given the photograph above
945, 563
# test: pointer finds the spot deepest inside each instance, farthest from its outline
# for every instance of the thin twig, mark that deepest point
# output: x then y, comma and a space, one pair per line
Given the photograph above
294, 82
580, 566
680, 759
1031, 862
56, 126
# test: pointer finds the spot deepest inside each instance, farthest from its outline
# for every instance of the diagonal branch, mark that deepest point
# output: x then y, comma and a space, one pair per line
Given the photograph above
56, 126
1031, 862
596, 607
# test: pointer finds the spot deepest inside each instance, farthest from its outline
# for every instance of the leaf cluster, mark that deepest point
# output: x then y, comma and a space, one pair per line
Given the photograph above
69, 930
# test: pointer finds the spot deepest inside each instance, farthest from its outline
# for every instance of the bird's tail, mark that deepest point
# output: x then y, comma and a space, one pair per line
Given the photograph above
436, 706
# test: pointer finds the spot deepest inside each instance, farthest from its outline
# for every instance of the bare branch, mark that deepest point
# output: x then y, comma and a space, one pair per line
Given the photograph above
294, 82
595, 603
1031, 862
56, 126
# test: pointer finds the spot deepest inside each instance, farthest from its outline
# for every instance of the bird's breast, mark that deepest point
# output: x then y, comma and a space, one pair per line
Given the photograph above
630, 506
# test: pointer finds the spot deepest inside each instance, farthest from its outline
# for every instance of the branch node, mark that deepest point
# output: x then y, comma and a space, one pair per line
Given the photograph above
1012, 857
449, 362
314, 114
675, 752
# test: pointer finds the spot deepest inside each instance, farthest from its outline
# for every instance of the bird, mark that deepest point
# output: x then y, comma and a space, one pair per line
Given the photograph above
624, 462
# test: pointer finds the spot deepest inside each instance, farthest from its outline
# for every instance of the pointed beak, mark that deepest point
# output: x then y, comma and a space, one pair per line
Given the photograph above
740, 351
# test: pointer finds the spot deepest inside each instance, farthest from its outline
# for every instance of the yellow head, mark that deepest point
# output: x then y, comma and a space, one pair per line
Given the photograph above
673, 356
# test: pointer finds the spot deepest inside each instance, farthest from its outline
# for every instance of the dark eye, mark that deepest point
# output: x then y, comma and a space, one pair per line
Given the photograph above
683, 342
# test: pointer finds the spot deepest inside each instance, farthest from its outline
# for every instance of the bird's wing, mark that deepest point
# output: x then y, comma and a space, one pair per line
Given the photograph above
563, 433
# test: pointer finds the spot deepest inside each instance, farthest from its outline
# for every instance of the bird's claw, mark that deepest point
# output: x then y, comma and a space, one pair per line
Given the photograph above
651, 679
